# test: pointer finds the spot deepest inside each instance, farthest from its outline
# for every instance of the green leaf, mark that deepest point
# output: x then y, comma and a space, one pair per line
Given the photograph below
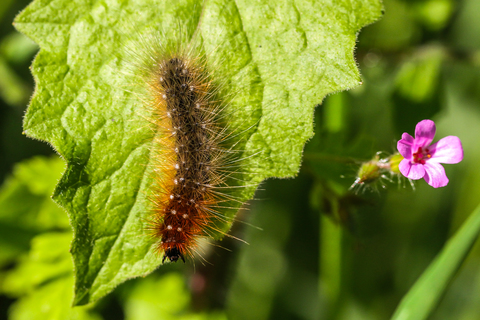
423, 297
17, 49
25, 196
48, 259
43, 282
25, 205
12, 88
51, 302
280, 58
165, 297
418, 91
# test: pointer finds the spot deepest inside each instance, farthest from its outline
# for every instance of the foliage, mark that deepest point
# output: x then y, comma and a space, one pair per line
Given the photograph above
324, 252
25, 205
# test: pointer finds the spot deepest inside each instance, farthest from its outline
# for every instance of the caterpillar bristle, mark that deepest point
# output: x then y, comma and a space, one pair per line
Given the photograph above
195, 152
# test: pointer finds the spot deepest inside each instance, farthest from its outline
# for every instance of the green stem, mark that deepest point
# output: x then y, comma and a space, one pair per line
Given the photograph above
330, 259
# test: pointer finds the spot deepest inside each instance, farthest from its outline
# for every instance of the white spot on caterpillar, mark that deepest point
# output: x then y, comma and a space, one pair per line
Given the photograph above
179, 229
174, 211
185, 216
169, 227
177, 166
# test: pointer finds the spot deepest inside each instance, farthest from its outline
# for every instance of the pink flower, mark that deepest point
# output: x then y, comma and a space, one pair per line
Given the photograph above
422, 160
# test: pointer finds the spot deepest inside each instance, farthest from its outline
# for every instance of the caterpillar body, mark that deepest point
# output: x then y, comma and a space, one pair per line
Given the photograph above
189, 153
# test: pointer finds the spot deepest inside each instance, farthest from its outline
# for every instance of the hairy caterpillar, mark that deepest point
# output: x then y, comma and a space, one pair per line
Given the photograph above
190, 156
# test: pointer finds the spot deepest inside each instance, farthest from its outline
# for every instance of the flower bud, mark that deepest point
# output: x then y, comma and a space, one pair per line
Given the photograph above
368, 172
377, 170
394, 162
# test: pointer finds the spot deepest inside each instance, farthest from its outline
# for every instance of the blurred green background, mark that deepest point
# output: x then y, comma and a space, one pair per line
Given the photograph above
316, 250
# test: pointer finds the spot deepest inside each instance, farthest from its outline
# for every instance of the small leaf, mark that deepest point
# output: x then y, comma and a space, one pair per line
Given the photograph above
26, 207
12, 89
418, 90
48, 259
53, 302
165, 297
423, 297
43, 282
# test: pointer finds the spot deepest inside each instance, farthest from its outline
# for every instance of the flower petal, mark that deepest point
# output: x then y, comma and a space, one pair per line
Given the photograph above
412, 171
424, 133
447, 150
404, 146
435, 174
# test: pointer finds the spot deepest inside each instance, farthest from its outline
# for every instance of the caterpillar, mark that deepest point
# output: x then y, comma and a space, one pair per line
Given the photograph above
190, 156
